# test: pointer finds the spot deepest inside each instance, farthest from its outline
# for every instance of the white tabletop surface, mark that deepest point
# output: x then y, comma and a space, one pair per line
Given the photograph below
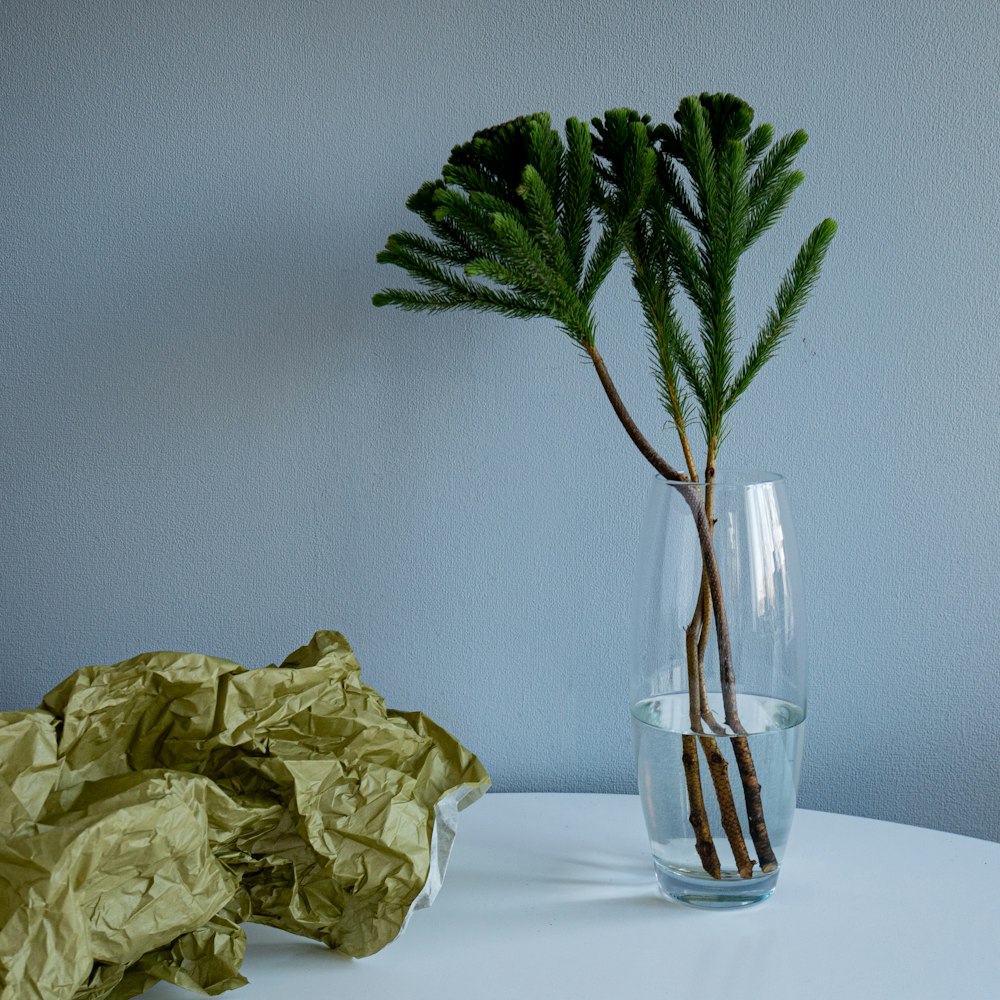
552, 896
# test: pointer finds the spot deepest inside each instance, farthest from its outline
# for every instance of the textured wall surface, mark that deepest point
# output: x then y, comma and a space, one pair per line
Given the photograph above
211, 441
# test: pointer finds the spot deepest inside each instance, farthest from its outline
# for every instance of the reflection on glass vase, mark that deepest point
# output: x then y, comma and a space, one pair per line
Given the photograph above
718, 686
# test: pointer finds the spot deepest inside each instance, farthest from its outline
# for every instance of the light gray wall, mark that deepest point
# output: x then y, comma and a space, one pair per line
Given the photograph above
211, 440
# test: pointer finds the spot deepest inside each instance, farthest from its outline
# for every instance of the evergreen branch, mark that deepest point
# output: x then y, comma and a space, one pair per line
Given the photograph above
602, 166
665, 372
562, 305
716, 170
578, 183
425, 203
682, 350
545, 155
676, 364
733, 196
774, 167
473, 181
489, 204
768, 211
541, 214
711, 141
758, 141
459, 210
442, 252
652, 249
688, 263
608, 249
729, 118
669, 139
524, 300
514, 208
698, 156
429, 272
626, 166
458, 240
722, 245
500, 153
670, 345
624, 144
487, 300
613, 140
577, 320
797, 284
505, 274
422, 259
638, 171
672, 187
525, 258
671, 352
717, 342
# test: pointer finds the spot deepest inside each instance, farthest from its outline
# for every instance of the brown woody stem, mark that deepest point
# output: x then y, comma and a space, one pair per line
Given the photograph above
717, 768
655, 459
741, 747
698, 817
704, 844
703, 526
705, 607
695, 643
755, 809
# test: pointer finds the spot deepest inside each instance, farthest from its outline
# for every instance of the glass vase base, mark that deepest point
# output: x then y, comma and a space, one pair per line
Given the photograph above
714, 894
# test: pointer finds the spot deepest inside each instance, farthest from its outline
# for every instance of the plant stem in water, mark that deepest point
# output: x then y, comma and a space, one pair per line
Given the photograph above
698, 817
741, 748
717, 768
703, 526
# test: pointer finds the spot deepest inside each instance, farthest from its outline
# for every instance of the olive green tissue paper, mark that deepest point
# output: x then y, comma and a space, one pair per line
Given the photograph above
148, 808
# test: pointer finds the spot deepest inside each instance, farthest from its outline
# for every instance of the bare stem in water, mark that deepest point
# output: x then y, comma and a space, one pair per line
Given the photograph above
703, 526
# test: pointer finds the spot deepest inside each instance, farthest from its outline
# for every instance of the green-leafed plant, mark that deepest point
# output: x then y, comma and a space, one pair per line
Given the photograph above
528, 225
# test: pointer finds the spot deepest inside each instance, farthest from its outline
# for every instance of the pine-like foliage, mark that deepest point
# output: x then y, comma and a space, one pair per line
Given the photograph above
719, 186
511, 222
617, 138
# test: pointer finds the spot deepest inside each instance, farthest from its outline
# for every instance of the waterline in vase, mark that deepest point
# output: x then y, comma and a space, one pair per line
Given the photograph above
774, 733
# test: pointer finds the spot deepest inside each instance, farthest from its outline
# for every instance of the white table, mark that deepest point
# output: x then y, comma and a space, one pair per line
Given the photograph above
553, 896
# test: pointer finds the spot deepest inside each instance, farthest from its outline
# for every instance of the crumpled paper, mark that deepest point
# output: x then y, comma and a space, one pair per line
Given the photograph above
150, 807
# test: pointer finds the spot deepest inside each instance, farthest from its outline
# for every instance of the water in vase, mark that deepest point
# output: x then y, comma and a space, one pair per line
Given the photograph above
774, 729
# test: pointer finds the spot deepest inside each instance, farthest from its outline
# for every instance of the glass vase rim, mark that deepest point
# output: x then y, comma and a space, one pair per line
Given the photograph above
731, 478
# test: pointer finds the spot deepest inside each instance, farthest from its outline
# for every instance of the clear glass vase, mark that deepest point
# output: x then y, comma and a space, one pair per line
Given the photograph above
717, 730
